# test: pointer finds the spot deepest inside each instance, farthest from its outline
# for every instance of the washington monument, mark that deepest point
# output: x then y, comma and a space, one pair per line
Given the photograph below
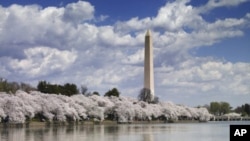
149, 64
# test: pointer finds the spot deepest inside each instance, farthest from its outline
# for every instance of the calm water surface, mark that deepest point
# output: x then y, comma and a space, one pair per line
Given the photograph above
211, 131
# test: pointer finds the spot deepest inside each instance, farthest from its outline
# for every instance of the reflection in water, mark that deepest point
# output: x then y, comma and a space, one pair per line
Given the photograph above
127, 132
78, 132
148, 137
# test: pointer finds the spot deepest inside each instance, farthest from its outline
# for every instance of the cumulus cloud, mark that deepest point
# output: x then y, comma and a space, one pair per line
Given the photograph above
78, 12
135, 58
219, 3
179, 25
209, 76
66, 41
175, 16
43, 61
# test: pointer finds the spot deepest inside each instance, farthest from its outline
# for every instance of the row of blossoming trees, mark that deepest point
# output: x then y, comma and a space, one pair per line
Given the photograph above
22, 106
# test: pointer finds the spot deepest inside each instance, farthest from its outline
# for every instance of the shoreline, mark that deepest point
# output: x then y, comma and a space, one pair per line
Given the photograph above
87, 123
39, 124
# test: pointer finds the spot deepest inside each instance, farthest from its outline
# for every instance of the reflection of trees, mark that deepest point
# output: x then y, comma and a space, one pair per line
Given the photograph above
135, 131
111, 129
37, 134
79, 132
148, 137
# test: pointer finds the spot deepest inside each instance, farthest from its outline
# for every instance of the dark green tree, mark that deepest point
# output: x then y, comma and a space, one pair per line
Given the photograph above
247, 109
224, 108
70, 89
42, 86
243, 109
67, 89
219, 108
96, 93
113, 92
214, 108
146, 95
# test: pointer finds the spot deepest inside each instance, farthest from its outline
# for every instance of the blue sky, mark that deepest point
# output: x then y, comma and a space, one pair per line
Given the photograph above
201, 47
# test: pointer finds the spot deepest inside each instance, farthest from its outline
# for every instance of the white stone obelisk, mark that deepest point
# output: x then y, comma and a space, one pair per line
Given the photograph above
149, 64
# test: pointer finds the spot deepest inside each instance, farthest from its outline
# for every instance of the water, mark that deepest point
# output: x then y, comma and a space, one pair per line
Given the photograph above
210, 131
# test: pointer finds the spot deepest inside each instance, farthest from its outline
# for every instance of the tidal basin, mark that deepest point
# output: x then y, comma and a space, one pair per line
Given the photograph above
209, 131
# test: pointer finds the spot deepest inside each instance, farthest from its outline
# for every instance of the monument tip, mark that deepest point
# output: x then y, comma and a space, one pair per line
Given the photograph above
148, 33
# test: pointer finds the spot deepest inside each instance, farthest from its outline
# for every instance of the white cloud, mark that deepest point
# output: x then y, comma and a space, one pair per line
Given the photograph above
172, 17
79, 12
213, 77
220, 3
136, 58
43, 61
184, 27
175, 16
133, 24
108, 37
